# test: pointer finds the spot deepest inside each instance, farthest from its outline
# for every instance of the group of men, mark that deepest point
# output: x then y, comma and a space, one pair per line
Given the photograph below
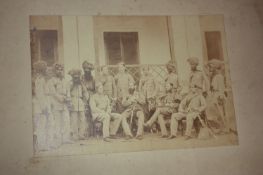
65, 112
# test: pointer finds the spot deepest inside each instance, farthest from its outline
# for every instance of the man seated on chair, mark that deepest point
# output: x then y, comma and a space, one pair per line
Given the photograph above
166, 108
190, 108
101, 111
133, 104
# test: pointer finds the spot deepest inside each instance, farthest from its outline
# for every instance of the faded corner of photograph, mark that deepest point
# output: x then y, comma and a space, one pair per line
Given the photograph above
105, 84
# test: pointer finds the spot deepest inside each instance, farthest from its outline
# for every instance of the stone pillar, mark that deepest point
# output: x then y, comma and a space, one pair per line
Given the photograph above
78, 37
194, 38
187, 42
70, 41
180, 47
86, 39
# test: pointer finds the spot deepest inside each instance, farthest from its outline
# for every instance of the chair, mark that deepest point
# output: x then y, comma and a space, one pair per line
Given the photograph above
197, 124
97, 128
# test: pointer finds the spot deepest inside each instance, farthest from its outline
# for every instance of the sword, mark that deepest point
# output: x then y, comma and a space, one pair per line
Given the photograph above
132, 111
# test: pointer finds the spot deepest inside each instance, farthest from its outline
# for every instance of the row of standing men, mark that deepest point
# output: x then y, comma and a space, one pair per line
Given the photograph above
65, 112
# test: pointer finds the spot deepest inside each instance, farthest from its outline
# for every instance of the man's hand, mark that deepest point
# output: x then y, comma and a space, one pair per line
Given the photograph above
205, 94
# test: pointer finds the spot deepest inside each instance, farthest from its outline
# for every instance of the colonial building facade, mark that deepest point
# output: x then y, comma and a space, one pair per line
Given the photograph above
135, 40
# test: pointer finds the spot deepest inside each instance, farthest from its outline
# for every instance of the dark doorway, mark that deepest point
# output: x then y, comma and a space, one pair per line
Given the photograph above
214, 45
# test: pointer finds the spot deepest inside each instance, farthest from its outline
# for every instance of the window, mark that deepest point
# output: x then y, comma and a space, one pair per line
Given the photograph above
44, 46
121, 47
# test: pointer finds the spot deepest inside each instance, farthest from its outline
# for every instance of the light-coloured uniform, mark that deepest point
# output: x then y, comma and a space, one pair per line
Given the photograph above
166, 107
40, 123
77, 111
172, 78
109, 86
198, 78
43, 118
133, 106
101, 111
59, 93
190, 107
218, 86
217, 100
148, 86
123, 80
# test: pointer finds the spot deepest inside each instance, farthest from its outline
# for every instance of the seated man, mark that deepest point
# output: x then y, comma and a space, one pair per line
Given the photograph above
133, 108
101, 111
190, 108
167, 106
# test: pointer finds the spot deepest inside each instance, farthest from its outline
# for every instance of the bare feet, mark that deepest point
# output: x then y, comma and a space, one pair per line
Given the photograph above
106, 139
187, 137
147, 125
128, 137
139, 137
113, 137
171, 137
164, 136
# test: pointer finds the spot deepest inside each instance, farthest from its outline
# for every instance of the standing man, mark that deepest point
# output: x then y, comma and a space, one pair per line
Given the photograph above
101, 111
87, 79
109, 86
42, 115
77, 110
108, 83
60, 99
218, 98
123, 79
197, 77
172, 76
133, 104
89, 85
148, 86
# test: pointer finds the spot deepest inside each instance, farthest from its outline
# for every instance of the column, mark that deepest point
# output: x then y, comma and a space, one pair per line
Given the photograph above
180, 45
194, 38
70, 43
86, 39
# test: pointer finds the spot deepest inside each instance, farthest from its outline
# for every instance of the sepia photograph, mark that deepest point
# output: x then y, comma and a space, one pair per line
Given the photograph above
109, 84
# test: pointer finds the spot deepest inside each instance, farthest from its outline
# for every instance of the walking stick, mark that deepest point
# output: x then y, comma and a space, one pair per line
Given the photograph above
209, 130
221, 115
132, 111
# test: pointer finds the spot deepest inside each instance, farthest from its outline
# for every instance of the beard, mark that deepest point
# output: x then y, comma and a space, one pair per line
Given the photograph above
60, 76
131, 91
87, 75
76, 81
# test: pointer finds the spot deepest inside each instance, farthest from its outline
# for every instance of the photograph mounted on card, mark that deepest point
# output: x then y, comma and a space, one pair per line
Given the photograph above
105, 84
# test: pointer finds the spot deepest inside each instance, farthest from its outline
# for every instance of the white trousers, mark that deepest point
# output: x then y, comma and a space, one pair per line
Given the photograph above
78, 124
106, 121
62, 125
